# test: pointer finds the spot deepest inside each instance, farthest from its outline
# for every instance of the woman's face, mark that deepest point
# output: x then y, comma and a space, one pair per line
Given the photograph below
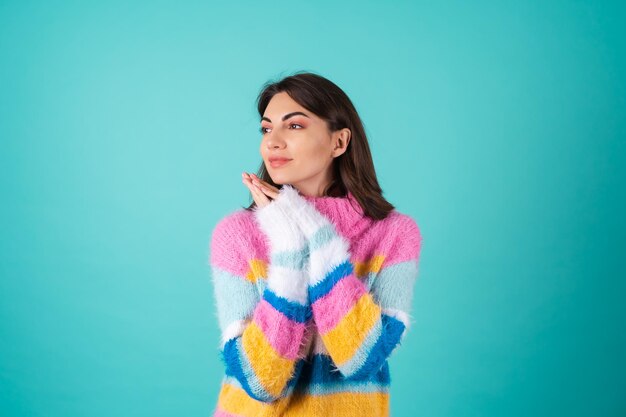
292, 132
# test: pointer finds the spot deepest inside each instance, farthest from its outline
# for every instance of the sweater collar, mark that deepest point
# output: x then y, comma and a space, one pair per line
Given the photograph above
344, 212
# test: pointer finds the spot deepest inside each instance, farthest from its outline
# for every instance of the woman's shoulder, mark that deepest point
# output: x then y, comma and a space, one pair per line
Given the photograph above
399, 223
400, 233
236, 222
237, 232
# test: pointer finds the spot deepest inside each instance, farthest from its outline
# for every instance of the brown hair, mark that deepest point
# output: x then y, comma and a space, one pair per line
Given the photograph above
354, 169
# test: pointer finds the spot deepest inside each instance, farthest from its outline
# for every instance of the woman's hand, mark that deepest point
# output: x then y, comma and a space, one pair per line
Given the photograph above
261, 190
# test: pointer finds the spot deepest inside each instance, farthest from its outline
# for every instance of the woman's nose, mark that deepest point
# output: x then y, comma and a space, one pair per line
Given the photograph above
274, 141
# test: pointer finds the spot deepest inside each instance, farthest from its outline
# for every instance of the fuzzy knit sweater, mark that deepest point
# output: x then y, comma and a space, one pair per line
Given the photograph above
312, 298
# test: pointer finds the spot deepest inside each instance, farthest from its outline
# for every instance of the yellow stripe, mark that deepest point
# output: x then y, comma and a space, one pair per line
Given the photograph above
346, 337
348, 404
272, 369
258, 269
234, 400
372, 265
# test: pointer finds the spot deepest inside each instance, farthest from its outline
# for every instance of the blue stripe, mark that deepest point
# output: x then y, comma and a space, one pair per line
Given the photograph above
236, 297
360, 356
323, 287
293, 259
388, 340
296, 376
322, 236
368, 281
393, 285
294, 311
234, 375
260, 285
232, 360
343, 387
317, 375
321, 370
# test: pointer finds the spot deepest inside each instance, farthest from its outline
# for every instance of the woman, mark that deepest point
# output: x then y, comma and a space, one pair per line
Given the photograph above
314, 280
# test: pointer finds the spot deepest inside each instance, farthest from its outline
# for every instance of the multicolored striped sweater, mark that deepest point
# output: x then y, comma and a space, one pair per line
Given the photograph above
312, 298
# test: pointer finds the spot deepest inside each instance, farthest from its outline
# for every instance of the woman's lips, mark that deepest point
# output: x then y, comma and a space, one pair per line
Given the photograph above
279, 162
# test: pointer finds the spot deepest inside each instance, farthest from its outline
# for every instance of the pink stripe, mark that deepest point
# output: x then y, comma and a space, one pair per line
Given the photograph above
406, 245
331, 308
397, 238
283, 334
235, 241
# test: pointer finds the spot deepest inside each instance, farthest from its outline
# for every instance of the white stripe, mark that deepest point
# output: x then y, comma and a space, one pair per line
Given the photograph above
398, 314
282, 231
233, 330
288, 283
327, 258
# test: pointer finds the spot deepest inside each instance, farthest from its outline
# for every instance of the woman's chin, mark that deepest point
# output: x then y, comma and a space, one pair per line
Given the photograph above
280, 179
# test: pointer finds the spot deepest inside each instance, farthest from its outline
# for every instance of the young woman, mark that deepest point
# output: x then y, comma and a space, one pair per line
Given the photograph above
314, 280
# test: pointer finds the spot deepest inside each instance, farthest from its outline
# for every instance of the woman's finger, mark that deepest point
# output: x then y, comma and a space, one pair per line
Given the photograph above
259, 196
263, 183
262, 199
268, 192
248, 183
264, 186
268, 189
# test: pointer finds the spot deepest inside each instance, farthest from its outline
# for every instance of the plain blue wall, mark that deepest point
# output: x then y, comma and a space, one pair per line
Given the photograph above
500, 127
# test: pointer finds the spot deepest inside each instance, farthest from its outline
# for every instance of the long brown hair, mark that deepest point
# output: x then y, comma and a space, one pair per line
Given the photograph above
354, 169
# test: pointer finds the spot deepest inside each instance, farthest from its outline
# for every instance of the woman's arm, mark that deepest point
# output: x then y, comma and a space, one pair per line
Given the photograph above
359, 329
263, 338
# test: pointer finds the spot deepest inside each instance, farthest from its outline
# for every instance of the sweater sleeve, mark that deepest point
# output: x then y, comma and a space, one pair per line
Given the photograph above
359, 329
263, 337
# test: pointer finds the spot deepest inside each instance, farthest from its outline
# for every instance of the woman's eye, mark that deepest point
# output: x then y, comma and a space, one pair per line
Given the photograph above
263, 130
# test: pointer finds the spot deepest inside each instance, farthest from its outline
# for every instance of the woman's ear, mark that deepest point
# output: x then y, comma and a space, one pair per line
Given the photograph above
342, 139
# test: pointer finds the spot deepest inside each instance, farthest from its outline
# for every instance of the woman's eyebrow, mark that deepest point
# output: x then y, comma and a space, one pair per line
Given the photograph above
287, 116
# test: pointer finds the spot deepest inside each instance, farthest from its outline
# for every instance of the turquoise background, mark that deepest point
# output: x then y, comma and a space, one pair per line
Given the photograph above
499, 126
